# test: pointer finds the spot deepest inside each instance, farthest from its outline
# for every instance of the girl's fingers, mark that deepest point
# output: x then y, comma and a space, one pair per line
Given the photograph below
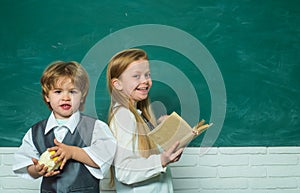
173, 147
177, 154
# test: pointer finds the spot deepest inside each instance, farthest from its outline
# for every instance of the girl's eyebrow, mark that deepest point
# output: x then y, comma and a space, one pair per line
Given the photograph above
139, 71
136, 72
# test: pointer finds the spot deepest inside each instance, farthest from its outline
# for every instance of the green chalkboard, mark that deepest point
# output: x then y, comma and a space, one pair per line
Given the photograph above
251, 48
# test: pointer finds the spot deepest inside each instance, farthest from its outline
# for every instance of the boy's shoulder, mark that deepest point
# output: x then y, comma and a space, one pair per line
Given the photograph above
87, 116
89, 119
40, 123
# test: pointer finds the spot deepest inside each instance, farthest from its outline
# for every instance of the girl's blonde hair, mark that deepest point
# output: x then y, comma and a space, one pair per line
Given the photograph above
117, 65
72, 70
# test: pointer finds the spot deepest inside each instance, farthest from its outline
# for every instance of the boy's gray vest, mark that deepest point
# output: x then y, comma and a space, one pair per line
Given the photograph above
74, 177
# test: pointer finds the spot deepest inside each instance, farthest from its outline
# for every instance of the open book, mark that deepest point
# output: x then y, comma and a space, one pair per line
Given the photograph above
173, 129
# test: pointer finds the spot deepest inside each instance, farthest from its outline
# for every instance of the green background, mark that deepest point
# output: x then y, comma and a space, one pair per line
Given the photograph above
255, 44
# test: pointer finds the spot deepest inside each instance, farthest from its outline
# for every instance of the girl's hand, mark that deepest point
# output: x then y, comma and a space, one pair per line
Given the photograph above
162, 118
63, 152
171, 155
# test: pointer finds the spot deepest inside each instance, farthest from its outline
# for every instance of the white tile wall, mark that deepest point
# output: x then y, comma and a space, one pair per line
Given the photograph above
204, 170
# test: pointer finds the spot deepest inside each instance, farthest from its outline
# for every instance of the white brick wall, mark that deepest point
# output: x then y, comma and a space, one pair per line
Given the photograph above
204, 170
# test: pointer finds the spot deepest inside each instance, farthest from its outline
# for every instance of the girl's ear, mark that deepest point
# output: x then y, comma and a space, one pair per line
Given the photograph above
117, 84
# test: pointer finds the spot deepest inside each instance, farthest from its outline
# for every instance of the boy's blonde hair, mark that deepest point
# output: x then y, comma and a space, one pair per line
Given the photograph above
117, 65
72, 70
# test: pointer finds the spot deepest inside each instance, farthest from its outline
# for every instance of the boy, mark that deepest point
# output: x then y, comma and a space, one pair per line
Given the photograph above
83, 145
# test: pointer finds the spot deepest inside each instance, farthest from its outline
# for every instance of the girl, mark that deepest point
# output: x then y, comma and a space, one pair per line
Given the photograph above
138, 164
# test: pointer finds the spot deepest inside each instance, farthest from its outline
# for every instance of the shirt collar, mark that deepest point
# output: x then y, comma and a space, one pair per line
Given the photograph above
116, 105
71, 124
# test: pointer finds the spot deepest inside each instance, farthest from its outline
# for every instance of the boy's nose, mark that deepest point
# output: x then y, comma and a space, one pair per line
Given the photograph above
66, 96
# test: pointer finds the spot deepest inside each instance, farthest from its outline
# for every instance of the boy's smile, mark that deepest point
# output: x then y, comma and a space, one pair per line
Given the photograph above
66, 106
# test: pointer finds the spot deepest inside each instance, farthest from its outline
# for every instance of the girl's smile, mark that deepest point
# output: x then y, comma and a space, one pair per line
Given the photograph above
135, 82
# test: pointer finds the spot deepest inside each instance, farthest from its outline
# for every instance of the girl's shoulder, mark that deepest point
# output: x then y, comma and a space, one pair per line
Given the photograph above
123, 116
123, 112
123, 122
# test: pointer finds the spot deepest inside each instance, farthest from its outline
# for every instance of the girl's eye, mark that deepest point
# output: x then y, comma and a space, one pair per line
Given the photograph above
148, 75
136, 76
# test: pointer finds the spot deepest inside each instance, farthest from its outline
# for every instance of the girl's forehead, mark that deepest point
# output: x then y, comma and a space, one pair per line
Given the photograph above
139, 65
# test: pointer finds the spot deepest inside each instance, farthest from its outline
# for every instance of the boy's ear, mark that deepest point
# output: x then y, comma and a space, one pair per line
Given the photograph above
47, 99
82, 99
117, 84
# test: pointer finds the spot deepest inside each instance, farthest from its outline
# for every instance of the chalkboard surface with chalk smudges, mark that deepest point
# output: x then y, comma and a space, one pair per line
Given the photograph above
255, 44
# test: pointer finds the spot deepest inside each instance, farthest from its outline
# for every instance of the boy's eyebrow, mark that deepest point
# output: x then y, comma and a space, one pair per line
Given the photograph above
74, 88
56, 88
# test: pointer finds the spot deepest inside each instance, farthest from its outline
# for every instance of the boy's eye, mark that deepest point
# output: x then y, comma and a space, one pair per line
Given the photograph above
73, 91
57, 91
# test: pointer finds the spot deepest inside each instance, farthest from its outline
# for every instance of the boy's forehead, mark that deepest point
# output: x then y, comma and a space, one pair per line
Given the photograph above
63, 81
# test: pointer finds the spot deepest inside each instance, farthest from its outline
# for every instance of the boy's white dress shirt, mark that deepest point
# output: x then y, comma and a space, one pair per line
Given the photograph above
101, 151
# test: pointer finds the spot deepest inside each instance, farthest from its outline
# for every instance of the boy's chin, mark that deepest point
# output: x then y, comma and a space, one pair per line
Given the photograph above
63, 115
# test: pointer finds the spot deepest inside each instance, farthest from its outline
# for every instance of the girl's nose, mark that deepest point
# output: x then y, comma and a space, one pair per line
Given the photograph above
144, 79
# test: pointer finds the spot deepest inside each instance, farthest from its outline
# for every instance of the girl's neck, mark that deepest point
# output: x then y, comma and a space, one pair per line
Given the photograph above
134, 103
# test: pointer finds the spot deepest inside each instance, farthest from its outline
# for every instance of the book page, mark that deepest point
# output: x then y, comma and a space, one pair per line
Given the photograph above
172, 129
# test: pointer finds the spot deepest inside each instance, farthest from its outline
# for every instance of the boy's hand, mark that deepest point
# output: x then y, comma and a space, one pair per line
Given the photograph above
36, 170
39, 169
63, 152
